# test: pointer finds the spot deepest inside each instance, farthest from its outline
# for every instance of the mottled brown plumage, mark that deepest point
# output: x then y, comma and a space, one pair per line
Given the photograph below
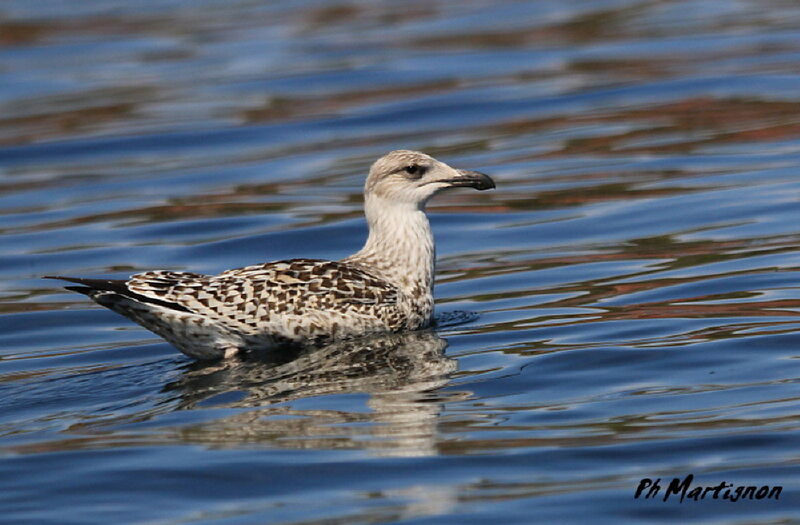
385, 287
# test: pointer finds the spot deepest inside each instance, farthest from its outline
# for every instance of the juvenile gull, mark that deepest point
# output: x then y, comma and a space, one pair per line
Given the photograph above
387, 286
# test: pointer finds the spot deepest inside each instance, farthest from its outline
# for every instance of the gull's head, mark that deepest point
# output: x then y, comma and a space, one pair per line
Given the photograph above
413, 177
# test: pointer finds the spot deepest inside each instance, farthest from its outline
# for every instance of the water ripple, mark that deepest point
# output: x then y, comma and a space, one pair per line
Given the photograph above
624, 305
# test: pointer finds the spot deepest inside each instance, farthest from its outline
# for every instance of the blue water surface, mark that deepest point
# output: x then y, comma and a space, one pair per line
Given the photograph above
625, 305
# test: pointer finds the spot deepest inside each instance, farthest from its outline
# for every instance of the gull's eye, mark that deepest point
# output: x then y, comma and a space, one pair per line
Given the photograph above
415, 170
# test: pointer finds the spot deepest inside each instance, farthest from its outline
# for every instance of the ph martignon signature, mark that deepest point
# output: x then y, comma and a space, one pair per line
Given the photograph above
650, 488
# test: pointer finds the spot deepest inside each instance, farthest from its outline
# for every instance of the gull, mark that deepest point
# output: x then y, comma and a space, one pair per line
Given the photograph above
387, 286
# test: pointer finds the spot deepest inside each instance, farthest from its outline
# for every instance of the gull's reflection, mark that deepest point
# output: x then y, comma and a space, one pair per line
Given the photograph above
284, 396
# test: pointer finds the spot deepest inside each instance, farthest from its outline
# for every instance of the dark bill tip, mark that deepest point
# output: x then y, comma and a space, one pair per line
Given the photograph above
472, 179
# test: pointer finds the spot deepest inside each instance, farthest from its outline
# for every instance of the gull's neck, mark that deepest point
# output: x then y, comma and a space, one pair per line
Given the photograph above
400, 246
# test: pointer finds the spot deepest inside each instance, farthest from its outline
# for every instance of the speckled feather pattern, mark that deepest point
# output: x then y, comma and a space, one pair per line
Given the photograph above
385, 287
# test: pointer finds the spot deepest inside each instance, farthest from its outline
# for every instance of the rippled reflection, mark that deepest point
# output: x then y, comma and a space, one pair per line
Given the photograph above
398, 373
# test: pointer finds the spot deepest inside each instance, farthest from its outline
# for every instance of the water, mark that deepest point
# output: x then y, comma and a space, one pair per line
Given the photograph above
631, 287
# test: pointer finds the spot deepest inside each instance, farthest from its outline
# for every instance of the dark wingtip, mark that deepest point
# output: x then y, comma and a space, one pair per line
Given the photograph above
85, 290
100, 287
111, 285
63, 278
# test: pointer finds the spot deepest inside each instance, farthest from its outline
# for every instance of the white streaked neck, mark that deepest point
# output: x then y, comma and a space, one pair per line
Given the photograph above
400, 244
